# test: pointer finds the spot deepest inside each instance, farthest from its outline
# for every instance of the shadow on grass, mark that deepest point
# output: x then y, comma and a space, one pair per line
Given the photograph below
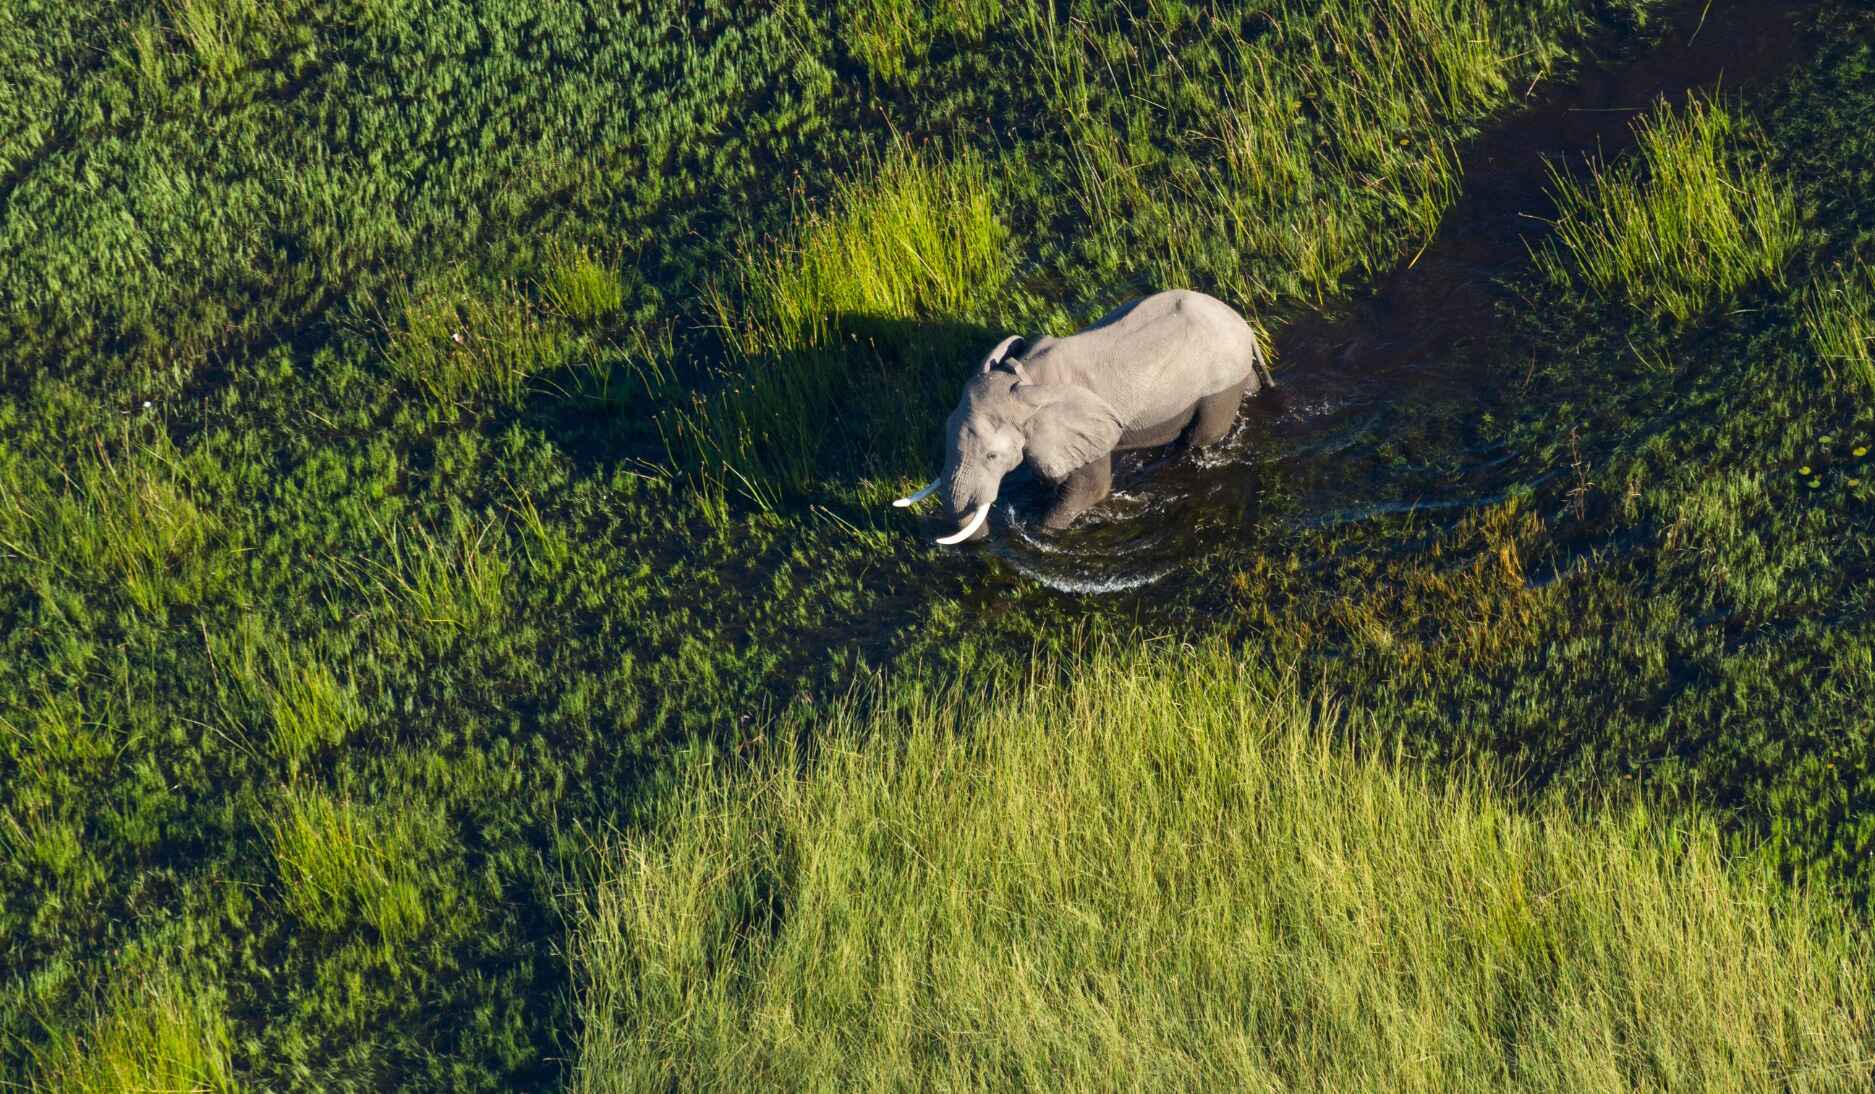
812, 425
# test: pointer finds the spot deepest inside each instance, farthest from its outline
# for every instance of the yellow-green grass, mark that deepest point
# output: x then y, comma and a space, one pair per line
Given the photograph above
340, 862
119, 511
890, 35
581, 286
1168, 873
1840, 318
1682, 224
460, 346
156, 1032
312, 709
446, 580
915, 238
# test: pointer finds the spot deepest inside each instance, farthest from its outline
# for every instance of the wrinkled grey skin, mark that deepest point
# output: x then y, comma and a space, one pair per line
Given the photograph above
1171, 366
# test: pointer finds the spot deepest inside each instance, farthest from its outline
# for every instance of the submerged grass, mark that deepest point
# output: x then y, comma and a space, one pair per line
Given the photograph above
1682, 225
1166, 872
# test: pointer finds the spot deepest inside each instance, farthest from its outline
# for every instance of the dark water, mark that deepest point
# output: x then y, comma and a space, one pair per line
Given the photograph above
1375, 409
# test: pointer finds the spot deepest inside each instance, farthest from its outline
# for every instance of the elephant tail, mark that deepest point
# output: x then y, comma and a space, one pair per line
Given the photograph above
1258, 359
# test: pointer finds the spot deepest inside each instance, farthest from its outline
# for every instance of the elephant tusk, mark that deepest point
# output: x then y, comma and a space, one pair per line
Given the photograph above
904, 503
969, 529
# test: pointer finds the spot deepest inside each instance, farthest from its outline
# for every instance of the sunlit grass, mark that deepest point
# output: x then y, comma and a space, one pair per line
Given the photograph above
1839, 315
461, 347
453, 579
891, 35
580, 286
120, 512
312, 709
340, 861
1301, 157
1168, 873
918, 238
216, 31
156, 1032
1681, 224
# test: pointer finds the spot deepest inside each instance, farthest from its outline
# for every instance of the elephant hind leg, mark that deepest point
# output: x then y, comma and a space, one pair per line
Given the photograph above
1215, 415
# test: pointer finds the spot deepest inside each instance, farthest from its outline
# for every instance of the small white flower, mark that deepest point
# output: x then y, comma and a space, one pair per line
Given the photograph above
146, 404
457, 337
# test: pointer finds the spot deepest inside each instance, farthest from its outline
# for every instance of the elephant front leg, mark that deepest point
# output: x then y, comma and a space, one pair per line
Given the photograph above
1083, 488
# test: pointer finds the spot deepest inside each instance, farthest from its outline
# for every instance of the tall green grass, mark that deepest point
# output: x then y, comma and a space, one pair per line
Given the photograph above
917, 240
1682, 224
1167, 873
156, 1032
1292, 170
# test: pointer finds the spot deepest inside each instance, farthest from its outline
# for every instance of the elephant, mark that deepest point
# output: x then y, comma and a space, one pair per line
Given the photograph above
1173, 365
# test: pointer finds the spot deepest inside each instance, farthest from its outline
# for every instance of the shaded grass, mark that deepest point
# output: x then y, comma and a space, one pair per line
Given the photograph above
156, 1032
1683, 224
1164, 871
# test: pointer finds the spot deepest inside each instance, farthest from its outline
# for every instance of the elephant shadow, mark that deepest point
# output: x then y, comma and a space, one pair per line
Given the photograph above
865, 399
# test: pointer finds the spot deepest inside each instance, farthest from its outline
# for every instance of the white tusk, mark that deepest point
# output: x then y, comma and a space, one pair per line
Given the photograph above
904, 503
969, 529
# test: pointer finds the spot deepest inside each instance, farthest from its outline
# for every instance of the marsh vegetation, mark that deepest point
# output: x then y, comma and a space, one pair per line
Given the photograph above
452, 634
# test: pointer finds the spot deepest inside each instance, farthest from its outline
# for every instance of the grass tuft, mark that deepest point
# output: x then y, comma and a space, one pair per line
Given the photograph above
312, 709
461, 347
891, 36
1681, 227
157, 1033
121, 513
580, 287
1840, 319
216, 31
454, 580
340, 862
917, 240
1167, 873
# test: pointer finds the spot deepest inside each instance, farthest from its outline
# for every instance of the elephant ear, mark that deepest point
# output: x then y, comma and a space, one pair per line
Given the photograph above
1071, 426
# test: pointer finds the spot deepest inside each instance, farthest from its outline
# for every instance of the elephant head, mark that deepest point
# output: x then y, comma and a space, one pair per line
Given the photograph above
1006, 418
